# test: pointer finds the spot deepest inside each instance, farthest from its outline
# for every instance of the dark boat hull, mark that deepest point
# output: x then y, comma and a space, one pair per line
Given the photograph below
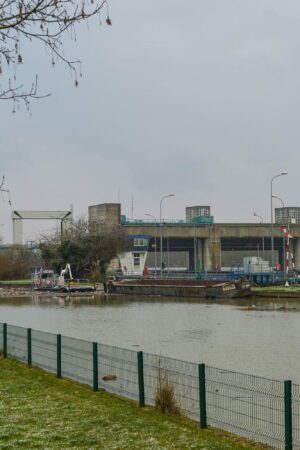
178, 288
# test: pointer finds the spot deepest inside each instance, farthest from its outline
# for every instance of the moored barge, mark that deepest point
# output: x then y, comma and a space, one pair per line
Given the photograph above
181, 288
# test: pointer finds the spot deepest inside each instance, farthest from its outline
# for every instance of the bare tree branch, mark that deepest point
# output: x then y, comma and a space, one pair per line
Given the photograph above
44, 21
5, 190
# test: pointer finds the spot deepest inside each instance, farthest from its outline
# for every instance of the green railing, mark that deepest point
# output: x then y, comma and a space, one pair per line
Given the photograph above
204, 220
261, 409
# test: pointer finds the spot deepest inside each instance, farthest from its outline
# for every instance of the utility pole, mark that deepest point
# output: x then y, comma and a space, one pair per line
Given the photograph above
272, 225
161, 231
155, 248
263, 238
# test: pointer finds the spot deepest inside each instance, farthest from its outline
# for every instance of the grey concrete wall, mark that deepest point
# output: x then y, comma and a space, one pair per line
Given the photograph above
221, 230
103, 215
176, 259
234, 258
297, 252
207, 237
211, 235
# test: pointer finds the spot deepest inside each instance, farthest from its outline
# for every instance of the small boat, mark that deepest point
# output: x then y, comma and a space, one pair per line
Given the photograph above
45, 280
180, 287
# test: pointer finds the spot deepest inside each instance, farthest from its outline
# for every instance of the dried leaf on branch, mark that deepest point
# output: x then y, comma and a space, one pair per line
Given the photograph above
48, 22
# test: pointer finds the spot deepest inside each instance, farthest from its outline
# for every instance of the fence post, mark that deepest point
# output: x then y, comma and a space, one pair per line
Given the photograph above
141, 378
29, 346
5, 340
58, 355
288, 424
202, 396
95, 366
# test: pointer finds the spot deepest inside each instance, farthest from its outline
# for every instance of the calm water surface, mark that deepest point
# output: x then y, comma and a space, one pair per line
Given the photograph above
258, 336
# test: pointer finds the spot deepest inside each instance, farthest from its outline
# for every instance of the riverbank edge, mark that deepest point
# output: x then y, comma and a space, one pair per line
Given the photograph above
25, 290
275, 293
15, 289
209, 437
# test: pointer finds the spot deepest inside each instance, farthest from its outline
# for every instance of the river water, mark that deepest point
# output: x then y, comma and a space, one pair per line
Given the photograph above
257, 336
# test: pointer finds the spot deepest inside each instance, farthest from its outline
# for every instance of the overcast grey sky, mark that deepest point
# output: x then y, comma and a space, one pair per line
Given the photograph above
199, 98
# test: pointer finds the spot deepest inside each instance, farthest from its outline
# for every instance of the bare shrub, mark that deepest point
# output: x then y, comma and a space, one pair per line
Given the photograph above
165, 400
16, 263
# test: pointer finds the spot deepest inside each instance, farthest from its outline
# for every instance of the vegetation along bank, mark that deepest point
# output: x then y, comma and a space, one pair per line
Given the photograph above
39, 411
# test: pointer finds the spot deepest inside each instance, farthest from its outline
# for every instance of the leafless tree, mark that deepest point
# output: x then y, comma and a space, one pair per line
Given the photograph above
16, 262
7, 191
44, 21
89, 255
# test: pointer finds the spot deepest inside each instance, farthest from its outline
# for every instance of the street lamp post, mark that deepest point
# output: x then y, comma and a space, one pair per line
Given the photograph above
160, 223
272, 226
195, 256
155, 257
263, 238
283, 238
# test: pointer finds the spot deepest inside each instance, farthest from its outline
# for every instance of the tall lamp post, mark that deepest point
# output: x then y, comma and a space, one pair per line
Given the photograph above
272, 226
283, 239
160, 223
69, 213
155, 258
263, 238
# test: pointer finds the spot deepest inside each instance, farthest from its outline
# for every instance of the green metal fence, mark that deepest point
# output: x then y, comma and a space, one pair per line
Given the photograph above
257, 408
247, 405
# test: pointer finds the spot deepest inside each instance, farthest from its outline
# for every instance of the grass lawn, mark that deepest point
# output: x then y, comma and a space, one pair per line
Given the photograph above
12, 282
39, 411
277, 288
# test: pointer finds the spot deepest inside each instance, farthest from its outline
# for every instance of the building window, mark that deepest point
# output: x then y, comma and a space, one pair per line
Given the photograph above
136, 260
139, 242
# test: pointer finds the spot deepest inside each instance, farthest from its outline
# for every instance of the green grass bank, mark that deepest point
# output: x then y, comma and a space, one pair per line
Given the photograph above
277, 291
16, 282
39, 411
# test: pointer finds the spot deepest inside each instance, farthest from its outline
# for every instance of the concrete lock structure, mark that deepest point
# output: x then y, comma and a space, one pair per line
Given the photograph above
187, 243
65, 218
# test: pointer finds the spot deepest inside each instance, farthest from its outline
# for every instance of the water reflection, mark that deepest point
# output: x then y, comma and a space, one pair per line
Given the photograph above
255, 335
246, 304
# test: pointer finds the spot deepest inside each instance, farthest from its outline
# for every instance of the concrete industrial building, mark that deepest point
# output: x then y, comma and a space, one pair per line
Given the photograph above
287, 215
191, 212
104, 215
215, 245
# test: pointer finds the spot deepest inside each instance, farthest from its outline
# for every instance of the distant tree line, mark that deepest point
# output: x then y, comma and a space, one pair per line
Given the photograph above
88, 255
16, 263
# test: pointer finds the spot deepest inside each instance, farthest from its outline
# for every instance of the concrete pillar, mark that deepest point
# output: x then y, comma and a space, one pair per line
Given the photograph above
212, 253
297, 252
18, 231
199, 254
207, 263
